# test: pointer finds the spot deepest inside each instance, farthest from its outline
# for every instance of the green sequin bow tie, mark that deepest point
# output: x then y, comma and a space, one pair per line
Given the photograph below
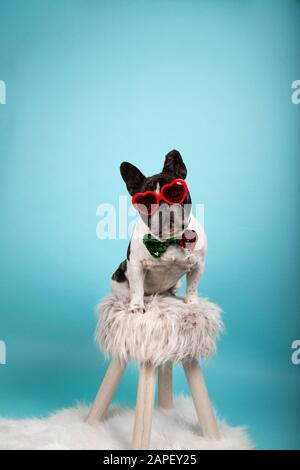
156, 247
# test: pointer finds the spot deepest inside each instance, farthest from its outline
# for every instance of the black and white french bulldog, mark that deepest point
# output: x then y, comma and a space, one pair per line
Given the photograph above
167, 241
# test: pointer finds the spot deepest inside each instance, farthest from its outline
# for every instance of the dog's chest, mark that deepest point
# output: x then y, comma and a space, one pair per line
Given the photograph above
163, 273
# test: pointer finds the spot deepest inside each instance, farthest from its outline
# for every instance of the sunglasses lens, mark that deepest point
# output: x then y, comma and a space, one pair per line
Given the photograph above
145, 203
174, 193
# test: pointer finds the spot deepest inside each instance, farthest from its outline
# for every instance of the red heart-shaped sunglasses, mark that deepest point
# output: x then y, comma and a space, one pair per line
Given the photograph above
172, 193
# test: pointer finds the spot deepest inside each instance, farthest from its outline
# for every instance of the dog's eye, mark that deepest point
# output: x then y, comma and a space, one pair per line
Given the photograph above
174, 193
146, 203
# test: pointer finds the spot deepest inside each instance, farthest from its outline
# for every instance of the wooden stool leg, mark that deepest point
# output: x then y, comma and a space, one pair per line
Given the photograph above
144, 407
106, 391
205, 412
165, 394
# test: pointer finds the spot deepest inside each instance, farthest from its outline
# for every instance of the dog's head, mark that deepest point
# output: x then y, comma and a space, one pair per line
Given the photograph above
165, 192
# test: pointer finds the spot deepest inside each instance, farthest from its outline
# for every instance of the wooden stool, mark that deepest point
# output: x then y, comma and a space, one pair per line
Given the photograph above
170, 331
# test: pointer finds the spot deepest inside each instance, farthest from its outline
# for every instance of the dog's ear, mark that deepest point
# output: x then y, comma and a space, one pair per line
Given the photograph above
174, 165
132, 177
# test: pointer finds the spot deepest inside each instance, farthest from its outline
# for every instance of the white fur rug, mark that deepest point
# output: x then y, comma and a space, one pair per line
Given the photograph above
66, 429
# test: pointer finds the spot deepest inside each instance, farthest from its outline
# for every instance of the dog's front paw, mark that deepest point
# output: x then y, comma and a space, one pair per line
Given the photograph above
136, 308
191, 299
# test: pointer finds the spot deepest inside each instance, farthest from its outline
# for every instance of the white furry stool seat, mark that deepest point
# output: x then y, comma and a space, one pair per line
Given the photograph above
170, 330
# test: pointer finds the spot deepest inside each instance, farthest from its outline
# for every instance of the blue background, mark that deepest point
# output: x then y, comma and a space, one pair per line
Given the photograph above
91, 83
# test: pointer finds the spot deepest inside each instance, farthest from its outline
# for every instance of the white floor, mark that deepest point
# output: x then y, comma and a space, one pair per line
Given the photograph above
66, 429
